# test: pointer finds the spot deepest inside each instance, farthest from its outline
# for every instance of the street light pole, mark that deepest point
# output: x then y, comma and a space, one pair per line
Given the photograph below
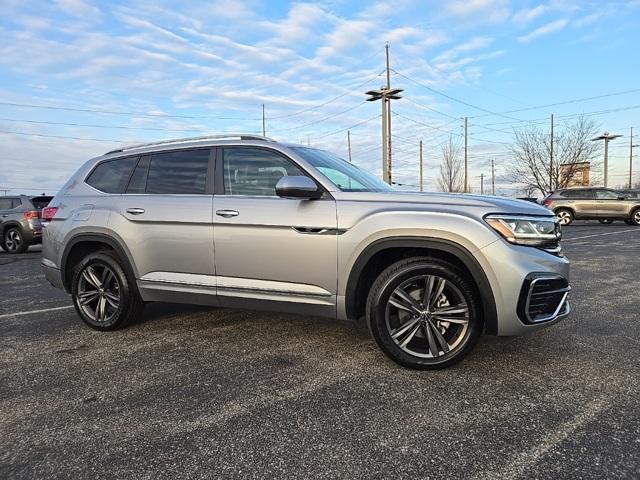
421, 158
607, 137
386, 94
631, 147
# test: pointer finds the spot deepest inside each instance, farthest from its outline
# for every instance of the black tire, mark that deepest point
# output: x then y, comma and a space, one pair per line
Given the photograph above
380, 314
634, 218
627, 221
13, 241
606, 221
565, 216
129, 306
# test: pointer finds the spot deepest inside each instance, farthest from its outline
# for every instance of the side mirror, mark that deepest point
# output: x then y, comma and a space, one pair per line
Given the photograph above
298, 187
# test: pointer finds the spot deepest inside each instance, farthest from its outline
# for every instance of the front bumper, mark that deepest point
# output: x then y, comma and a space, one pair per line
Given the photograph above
530, 287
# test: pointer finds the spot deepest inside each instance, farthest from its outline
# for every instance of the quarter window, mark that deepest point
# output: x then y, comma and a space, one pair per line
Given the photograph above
112, 176
177, 172
255, 172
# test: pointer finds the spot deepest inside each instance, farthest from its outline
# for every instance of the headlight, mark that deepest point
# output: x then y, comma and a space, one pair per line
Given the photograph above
541, 232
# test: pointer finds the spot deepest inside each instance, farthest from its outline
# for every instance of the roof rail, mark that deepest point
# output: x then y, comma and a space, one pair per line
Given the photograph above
227, 136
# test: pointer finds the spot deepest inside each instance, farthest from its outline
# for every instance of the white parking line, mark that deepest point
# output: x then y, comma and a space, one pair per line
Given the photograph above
30, 312
600, 234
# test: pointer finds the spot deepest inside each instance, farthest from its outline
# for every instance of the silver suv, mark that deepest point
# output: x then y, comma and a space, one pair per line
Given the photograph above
243, 221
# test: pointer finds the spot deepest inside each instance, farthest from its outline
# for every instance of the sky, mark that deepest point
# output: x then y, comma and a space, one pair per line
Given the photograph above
80, 77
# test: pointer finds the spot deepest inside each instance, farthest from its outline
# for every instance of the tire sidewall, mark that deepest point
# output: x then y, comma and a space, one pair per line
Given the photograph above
632, 218
125, 291
377, 304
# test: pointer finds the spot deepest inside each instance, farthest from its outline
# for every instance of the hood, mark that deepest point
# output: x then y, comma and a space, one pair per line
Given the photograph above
489, 203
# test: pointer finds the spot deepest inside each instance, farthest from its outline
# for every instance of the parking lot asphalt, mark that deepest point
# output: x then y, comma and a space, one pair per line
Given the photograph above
193, 392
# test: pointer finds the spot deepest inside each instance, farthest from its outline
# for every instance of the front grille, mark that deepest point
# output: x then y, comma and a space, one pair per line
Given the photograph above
543, 298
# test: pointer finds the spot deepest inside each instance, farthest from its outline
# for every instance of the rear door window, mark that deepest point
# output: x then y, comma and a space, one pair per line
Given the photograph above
181, 172
112, 176
577, 194
6, 203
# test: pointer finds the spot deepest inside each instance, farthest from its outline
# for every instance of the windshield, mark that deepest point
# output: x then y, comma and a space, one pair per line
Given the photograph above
344, 175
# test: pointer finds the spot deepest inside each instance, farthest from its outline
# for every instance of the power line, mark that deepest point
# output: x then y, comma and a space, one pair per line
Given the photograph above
456, 99
347, 128
123, 127
58, 136
315, 122
567, 102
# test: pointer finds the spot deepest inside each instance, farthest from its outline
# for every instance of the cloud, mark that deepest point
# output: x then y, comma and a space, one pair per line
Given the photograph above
546, 29
78, 8
478, 11
526, 15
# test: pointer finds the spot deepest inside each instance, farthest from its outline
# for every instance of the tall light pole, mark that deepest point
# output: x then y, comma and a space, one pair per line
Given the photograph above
466, 164
551, 158
421, 183
631, 147
607, 137
482, 184
264, 129
493, 177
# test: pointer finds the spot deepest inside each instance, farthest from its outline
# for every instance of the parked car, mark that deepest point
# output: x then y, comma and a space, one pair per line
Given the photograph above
20, 221
243, 221
601, 204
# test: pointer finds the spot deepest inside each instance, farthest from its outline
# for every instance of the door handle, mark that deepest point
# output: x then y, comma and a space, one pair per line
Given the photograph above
227, 213
135, 211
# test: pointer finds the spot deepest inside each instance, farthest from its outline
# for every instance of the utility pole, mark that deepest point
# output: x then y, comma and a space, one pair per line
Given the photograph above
349, 144
551, 158
631, 147
421, 183
264, 134
482, 184
386, 94
493, 177
466, 164
607, 137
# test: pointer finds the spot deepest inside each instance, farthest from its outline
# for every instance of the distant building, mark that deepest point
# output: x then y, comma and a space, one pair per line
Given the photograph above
575, 174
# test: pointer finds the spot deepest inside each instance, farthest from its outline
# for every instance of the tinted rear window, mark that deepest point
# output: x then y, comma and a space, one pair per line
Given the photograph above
6, 203
178, 172
576, 194
41, 202
112, 176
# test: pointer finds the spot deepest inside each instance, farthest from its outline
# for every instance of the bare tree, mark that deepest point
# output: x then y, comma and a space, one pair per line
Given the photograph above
531, 153
451, 177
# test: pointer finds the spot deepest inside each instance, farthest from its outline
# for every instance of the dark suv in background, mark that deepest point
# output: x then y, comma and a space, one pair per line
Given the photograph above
601, 204
20, 221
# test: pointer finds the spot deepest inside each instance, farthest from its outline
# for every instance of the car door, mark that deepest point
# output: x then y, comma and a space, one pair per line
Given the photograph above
583, 202
609, 204
164, 217
271, 252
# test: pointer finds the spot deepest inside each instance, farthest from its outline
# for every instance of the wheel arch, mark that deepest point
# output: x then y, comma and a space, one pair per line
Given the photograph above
439, 248
79, 244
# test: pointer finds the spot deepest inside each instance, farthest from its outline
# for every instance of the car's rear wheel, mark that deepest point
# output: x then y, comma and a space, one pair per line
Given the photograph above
102, 294
14, 241
565, 217
424, 313
606, 221
634, 219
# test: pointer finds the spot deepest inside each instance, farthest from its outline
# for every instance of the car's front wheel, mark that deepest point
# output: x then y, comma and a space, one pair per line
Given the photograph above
102, 294
14, 241
565, 217
424, 313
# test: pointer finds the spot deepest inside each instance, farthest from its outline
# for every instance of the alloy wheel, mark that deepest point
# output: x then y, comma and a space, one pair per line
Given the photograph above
636, 217
98, 294
13, 241
564, 218
427, 316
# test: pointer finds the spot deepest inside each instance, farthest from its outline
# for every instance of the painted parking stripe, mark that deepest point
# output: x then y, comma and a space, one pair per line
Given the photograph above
31, 312
600, 234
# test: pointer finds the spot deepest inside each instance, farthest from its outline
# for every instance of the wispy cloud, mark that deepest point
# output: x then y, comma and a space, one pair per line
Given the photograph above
546, 29
526, 15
